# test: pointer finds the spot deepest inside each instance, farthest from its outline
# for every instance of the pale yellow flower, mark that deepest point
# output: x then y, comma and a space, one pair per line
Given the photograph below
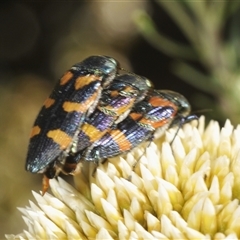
189, 190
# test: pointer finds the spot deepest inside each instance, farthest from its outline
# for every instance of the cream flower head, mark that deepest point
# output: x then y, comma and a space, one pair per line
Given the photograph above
187, 190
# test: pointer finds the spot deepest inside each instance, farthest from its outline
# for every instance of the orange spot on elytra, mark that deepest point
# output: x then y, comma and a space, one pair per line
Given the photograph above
136, 116
160, 123
72, 106
35, 131
121, 140
60, 137
49, 102
117, 111
114, 94
124, 108
154, 124
85, 80
156, 102
92, 132
66, 78
80, 107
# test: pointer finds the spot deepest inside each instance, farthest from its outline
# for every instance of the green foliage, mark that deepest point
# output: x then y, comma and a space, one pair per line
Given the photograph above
203, 24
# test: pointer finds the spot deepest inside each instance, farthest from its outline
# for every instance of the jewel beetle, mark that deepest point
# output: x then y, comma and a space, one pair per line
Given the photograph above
114, 106
152, 116
74, 97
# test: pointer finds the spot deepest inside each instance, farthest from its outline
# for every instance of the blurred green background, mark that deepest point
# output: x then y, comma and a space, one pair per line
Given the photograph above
187, 46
